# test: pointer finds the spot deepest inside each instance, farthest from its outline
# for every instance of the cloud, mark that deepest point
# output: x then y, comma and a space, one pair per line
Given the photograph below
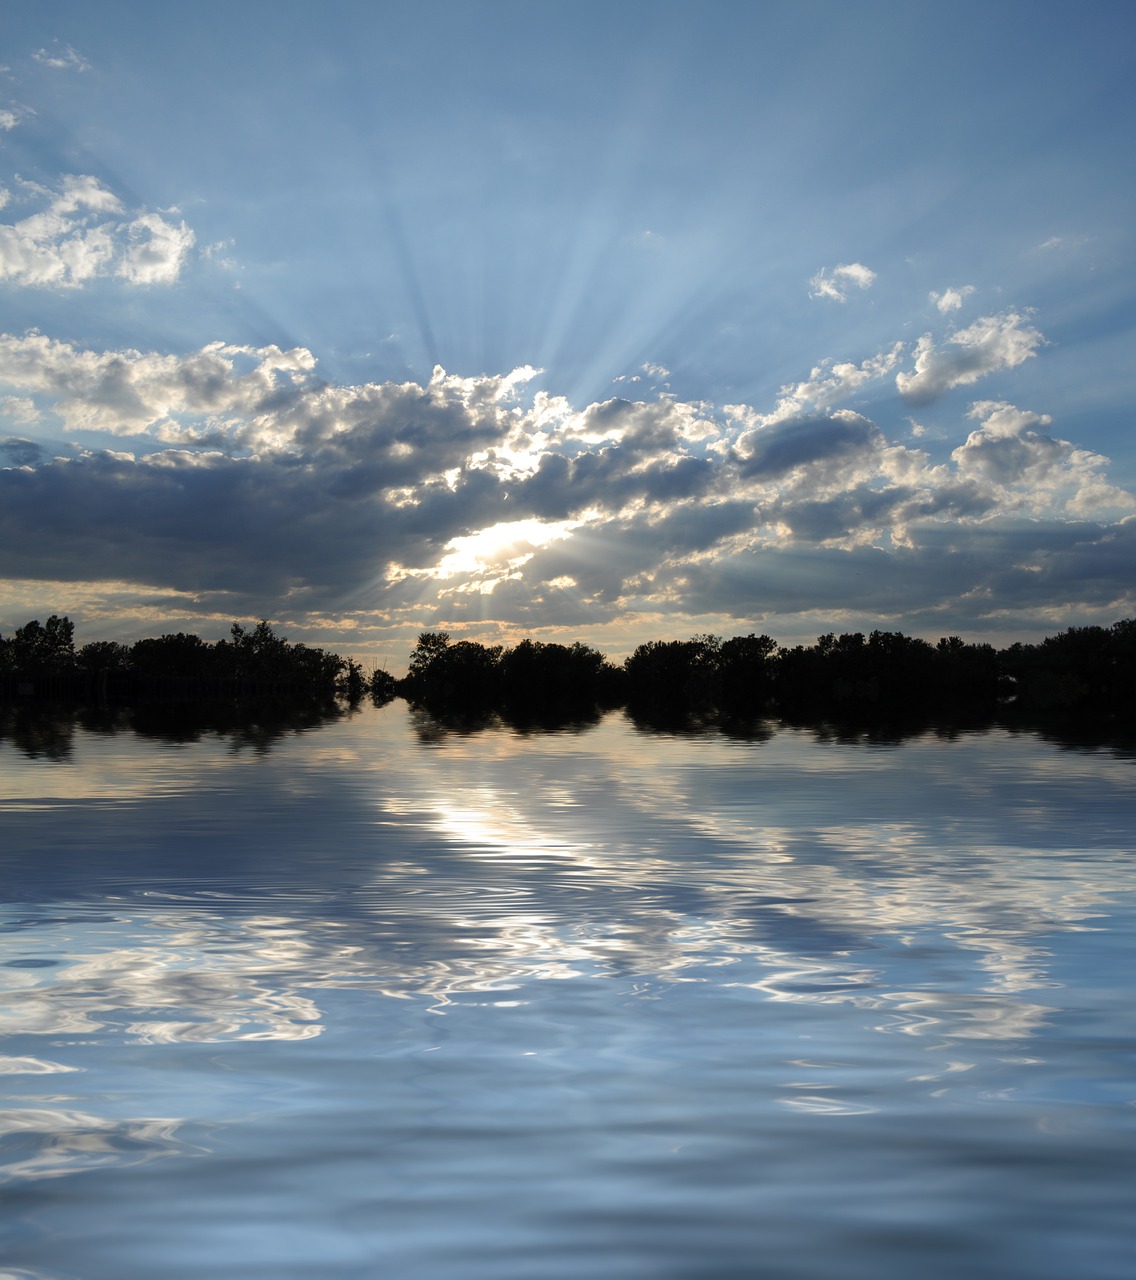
827, 384
1064, 242
991, 343
21, 409
79, 235
12, 116
242, 481
951, 299
62, 59
1009, 451
812, 442
834, 284
154, 250
127, 392
20, 453
218, 254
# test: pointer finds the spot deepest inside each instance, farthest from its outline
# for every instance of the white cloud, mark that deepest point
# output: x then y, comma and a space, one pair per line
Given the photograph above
79, 191
19, 409
826, 385
951, 299
62, 59
155, 250
989, 344
1046, 473
128, 392
79, 236
834, 284
10, 117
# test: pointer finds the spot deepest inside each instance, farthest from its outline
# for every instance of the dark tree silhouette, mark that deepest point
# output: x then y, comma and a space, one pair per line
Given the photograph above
104, 655
47, 648
1082, 671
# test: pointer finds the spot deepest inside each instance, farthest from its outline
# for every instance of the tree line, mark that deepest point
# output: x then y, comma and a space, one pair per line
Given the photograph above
40, 659
1081, 669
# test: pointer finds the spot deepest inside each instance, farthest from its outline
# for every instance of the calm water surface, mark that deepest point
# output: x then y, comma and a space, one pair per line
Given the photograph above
372, 1000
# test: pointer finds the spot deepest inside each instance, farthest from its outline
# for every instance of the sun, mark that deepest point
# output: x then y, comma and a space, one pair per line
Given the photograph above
506, 545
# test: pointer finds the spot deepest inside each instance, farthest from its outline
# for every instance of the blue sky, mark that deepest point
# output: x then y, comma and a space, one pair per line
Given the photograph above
577, 321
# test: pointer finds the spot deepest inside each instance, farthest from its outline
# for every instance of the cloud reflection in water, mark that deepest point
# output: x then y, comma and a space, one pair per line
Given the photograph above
712, 893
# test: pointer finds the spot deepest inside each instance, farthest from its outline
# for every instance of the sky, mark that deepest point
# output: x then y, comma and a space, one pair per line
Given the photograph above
574, 321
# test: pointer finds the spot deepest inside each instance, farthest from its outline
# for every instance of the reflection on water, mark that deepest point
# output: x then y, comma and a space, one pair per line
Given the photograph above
48, 731
484, 1000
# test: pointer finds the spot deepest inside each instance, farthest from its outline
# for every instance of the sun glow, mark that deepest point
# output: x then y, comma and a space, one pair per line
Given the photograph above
503, 546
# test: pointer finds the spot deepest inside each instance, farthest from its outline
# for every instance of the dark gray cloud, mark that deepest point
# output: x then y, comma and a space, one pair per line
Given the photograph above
771, 452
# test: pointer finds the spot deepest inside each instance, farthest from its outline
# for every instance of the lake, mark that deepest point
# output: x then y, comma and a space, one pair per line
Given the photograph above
373, 997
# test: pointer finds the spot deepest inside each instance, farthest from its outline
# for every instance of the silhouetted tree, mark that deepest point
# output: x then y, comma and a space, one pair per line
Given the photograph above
548, 675
460, 674
383, 687
258, 652
431, 645
350, 683
47, 648
674, 670
747, 667
966, 675
179, 655
104, 655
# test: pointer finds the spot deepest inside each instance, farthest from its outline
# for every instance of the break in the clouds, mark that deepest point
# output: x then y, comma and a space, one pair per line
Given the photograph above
239, 480
79, 230
835, 284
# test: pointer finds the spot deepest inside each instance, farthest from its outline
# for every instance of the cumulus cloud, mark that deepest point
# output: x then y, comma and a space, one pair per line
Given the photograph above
79, 233
836, 282
466, 498
991, 343
1011, 450
153, 250
129, 391
817, 443
951, 299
